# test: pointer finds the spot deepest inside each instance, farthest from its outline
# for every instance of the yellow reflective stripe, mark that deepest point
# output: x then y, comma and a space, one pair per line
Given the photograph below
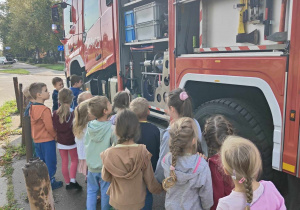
288, 167
94, 69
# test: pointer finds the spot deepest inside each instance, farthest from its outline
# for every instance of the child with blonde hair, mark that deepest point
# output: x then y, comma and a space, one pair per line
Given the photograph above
62, 123
188, 183
99, 136
127, 166
30, 101
79, 129
84, 96
80, 122
241, 160
179, 105
216, 129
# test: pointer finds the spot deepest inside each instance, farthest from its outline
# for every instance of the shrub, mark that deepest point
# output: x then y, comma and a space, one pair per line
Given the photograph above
46, 59
51, 60
40, 60
31, 60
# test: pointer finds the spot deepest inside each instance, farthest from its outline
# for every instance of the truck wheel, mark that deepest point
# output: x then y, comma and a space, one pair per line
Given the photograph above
246, 122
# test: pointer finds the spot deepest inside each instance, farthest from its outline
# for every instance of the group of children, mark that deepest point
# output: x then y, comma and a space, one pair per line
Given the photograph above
124, 158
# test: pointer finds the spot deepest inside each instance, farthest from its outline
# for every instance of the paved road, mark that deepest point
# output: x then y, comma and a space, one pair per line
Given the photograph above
36, 75
64, 200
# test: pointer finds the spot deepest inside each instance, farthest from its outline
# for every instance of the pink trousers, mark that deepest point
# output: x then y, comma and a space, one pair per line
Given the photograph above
65, 164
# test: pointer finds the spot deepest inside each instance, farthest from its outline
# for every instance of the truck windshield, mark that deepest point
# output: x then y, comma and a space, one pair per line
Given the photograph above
91, 13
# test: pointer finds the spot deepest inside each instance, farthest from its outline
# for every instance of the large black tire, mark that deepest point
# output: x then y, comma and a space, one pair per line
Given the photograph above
246, 122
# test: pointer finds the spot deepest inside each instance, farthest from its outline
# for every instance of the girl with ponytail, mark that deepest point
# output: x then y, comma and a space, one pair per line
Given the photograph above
179, 105
79, 129
188, 183
62, 122
81, 119
241, 160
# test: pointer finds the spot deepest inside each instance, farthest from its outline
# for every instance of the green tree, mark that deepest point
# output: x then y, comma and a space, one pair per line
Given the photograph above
26, 27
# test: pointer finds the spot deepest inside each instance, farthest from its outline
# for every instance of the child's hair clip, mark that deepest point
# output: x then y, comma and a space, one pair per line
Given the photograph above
242, 180
248, 204
183, 96
233, 175
172, 168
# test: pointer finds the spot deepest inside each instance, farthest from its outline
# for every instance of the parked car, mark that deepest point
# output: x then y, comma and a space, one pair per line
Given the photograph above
10, 60
6, 60
3, 60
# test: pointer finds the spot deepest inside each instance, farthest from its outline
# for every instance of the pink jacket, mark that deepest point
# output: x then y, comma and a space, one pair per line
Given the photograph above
266, 197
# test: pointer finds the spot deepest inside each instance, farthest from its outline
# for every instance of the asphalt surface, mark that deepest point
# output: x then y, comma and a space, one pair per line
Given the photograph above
37, 74
64, 200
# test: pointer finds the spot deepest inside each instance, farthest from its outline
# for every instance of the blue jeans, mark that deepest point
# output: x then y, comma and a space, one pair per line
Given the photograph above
148, 201
94, 182
46, 151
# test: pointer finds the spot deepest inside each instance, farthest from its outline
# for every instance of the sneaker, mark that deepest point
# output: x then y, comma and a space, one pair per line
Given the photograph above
56, 184
68, 187
73, 186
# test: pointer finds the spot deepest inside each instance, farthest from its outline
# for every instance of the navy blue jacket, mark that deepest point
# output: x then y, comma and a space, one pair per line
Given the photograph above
150, 136
55, 100
76, 92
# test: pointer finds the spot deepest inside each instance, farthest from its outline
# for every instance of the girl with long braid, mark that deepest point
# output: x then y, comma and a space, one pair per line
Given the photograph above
188, 183
179, 105
241, 160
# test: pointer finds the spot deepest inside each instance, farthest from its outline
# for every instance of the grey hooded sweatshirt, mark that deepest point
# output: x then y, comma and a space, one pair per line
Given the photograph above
193, 189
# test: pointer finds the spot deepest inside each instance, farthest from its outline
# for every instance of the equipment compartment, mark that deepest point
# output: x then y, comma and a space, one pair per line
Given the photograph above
148, 30
148, 12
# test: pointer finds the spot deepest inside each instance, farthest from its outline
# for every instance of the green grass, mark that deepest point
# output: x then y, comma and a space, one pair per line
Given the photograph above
15, 71
6, 162
9, 108
57, 67
11, 152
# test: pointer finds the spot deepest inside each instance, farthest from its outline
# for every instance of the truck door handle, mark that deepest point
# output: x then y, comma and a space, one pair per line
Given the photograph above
98, 57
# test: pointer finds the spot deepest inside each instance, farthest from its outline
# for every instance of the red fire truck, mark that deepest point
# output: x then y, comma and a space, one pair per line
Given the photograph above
238, 58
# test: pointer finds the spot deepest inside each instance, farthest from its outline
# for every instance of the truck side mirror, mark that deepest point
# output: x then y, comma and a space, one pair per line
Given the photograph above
55, 14
64, 5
